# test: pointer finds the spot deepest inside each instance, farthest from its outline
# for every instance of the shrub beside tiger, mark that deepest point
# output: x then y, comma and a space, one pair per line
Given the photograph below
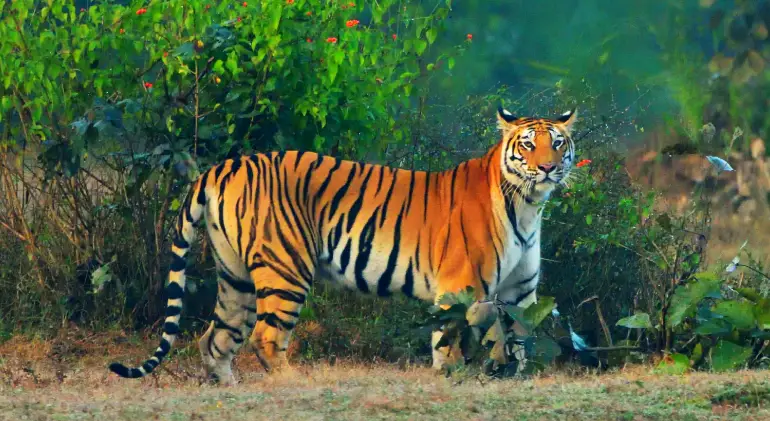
498, 335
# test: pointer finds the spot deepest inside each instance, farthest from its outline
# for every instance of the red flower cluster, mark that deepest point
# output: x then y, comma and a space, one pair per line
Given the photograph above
141, 11
289, 1
351, 23
470, 37
147, 85
394, 37
332, 40
583, 163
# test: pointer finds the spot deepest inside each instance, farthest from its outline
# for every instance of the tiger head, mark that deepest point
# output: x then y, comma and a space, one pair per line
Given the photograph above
537, 153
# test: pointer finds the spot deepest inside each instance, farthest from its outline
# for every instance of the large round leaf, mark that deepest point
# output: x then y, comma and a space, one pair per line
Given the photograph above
739, 313
637, 321
729, 356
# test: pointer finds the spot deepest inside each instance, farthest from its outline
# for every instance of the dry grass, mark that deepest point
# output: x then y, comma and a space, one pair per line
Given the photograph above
66, 378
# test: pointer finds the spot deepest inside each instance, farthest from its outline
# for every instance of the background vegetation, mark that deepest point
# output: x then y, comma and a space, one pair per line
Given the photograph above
102, 103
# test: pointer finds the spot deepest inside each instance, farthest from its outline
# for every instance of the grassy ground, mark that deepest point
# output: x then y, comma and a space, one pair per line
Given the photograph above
67, 379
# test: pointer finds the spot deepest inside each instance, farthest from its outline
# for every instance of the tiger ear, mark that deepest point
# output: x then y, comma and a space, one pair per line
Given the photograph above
568, 119
505, 119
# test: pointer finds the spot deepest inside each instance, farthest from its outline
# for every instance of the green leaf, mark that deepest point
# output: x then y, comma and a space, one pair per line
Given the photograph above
275, 15
727, 356
431, 34
739, 313
185, 51
637, 321
762, 313
673, 364
713, 327
687, 297
514, 312
546, 350
537, 312
101, 277
338, 56
589, 219
697, 354
333, 68
307, 313
447, 299
749, 294
419, 46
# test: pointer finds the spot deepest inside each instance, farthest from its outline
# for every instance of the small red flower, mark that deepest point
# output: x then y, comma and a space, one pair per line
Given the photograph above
147, 85
351, 4
244, 4
289, 1
82, 10
470, 37
583, 163
122, 31
165, 54
394, 37
208, 6
351, 23
332, 40
141, 11
239, 19
308, 13
309, 40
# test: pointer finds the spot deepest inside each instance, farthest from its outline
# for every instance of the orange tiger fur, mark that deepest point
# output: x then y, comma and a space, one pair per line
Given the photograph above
281, 220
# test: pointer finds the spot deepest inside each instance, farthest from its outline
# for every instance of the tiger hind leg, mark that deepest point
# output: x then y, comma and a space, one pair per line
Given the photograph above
279, 301
234, 317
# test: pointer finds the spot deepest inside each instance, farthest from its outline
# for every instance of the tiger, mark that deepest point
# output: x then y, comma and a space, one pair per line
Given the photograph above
279, 221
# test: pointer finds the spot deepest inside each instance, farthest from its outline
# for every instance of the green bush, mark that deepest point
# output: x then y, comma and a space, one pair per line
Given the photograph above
102, 107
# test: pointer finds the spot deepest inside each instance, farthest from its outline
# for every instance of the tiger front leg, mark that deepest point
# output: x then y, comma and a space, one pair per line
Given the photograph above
450, 355
445, 356
520, 288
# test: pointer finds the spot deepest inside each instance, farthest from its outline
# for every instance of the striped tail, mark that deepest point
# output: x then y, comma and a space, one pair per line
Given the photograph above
189, 215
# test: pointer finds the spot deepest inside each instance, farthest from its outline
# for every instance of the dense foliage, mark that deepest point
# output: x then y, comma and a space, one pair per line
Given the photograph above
111, 99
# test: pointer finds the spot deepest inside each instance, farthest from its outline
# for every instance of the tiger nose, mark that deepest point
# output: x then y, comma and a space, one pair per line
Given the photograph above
547, 167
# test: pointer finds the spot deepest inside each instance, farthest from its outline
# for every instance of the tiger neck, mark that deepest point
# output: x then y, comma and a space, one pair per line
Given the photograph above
517, 208
523, 212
